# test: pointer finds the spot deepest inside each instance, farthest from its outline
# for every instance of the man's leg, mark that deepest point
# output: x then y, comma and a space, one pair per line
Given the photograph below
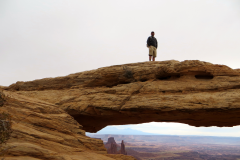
154, 53
150, 52
150, 58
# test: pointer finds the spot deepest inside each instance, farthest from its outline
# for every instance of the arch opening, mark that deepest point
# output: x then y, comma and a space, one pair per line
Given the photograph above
149, 138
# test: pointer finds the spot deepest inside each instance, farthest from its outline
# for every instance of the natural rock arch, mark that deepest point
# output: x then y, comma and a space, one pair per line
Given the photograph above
191, 92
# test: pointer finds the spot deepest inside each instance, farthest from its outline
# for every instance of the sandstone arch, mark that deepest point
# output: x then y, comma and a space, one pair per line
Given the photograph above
191, 92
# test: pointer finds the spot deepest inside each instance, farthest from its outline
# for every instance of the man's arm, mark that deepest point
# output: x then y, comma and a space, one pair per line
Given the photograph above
157, 43
148, 42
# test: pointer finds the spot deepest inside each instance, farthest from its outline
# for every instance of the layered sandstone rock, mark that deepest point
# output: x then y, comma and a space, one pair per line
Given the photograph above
111, 143
123, 151
112, 149
111, 140
43, 131
112, 146
191, 92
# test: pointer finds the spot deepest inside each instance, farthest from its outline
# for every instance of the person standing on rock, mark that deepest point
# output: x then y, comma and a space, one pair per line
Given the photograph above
152, 44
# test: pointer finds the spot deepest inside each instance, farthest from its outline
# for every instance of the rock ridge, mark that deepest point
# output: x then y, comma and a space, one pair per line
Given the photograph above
192, 92
123, 74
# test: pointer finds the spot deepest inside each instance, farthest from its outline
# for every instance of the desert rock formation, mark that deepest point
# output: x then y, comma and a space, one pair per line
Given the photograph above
43, 131
191, 92
123, 151
111, 140
112, 149
112, 146
111, 143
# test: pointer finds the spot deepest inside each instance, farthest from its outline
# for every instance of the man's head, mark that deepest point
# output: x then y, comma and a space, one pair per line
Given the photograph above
152, 33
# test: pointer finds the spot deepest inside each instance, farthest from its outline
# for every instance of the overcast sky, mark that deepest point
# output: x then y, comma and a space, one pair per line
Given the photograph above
49, 38
183, 129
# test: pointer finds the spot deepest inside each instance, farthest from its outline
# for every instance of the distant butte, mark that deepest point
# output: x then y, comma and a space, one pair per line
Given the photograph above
192, 92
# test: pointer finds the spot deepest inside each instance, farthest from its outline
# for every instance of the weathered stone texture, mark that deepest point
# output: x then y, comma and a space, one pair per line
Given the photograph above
111, 140
43, 131
191, 92
112, 149
123, 151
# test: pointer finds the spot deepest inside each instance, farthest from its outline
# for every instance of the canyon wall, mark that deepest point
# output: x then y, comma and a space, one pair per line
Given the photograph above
43, 131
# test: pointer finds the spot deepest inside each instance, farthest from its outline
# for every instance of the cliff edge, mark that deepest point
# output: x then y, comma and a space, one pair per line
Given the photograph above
43, 131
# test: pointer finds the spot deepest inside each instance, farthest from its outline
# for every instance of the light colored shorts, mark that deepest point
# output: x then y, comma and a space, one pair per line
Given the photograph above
152, 51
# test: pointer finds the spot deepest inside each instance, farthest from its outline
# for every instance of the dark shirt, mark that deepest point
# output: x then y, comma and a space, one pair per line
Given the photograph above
152, 41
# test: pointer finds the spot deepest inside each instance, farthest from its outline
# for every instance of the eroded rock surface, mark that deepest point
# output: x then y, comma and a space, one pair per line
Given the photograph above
43, 131
191, 92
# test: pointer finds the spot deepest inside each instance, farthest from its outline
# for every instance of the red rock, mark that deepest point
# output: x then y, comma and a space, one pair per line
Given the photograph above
123, 151
191, 92
112, 149
111, 140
